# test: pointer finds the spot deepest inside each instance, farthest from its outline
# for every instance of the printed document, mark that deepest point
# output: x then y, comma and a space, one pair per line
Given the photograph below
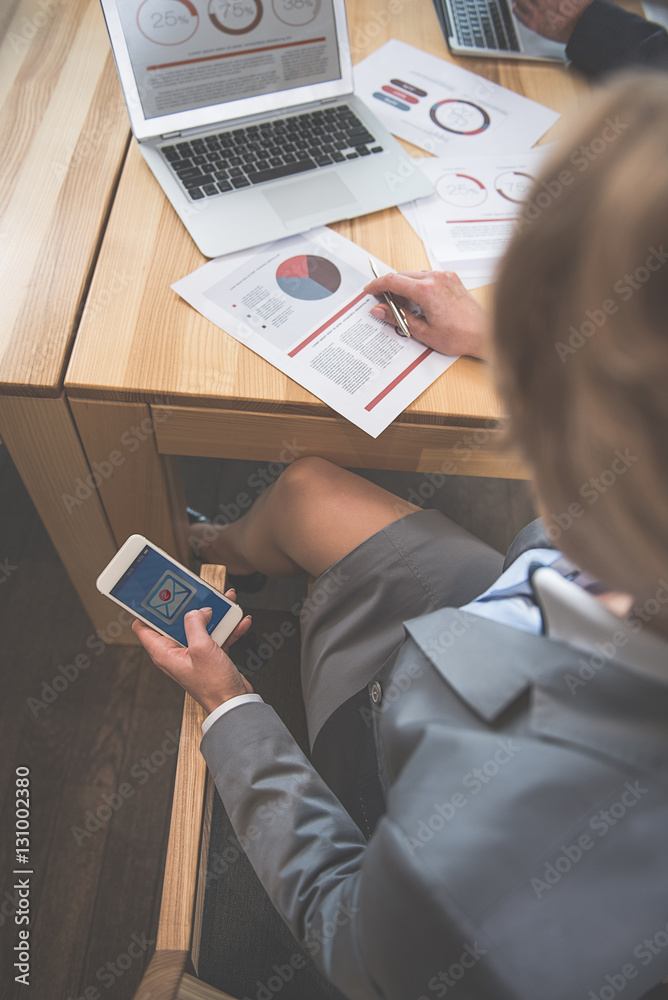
443, 108
467, 223
299, 303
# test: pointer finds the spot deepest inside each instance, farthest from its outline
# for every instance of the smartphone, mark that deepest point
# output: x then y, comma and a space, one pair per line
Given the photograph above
160, 591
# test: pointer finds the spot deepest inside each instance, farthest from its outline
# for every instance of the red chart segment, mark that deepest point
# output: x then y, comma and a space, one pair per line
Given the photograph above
308, 277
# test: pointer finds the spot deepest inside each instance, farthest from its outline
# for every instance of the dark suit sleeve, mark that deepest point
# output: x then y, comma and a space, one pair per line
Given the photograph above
607, 38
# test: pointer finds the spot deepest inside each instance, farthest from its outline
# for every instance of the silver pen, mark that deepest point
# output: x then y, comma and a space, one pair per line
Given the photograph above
397, 311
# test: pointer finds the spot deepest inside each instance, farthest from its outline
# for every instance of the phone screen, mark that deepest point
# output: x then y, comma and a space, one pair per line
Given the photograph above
158, 591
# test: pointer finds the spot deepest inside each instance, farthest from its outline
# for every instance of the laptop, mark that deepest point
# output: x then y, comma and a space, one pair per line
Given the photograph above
489, 28
245, 113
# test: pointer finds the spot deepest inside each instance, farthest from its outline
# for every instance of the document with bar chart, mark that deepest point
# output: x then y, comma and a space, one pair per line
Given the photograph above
300, 304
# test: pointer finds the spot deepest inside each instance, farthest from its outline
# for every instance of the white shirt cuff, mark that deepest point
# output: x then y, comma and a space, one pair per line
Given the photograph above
227, 706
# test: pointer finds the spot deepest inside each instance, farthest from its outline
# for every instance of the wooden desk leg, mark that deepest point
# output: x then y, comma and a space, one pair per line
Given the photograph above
141, 491
44, 445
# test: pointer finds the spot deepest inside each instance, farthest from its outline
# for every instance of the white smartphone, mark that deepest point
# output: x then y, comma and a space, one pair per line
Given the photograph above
159, 591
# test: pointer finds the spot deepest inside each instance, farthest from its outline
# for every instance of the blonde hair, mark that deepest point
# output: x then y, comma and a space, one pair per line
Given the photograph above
581, 339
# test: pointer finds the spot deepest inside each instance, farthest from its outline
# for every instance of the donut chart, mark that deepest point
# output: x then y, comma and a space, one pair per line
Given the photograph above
462, 190
460, 117
296, 13
514, 185
308, 277
167, 22
235, 17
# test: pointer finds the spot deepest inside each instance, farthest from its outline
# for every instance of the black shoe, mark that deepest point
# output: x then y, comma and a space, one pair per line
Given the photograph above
244, 583
195, 517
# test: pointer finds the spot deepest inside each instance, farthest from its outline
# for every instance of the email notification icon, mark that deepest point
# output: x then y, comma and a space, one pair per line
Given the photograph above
169, 596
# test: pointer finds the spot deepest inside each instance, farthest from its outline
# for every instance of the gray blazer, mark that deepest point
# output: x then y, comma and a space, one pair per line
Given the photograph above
523, 853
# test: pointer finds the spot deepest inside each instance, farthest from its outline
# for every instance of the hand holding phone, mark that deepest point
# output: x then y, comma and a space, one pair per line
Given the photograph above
160, 591
193, 620
204, 670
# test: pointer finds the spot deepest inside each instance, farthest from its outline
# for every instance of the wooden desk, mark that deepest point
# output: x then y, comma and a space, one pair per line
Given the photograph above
64, 135
150, 359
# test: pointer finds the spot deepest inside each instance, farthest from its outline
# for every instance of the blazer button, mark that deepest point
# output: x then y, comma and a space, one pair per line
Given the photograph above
376, 692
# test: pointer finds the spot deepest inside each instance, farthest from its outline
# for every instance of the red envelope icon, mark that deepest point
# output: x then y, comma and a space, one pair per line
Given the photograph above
169, 596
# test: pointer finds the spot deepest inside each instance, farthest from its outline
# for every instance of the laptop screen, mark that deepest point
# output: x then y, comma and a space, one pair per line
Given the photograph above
188, 54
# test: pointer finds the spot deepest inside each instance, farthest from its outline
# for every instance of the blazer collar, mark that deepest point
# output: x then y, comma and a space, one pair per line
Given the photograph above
609, 708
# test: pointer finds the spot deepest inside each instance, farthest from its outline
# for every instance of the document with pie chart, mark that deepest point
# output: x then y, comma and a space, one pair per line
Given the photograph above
468, 221
300, 304
446, 109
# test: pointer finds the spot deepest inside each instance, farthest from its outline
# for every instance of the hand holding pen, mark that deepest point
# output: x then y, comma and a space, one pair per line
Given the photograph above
450, 321
398, 313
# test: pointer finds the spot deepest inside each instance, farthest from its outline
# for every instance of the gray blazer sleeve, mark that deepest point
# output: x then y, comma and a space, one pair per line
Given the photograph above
351, 906
304, 847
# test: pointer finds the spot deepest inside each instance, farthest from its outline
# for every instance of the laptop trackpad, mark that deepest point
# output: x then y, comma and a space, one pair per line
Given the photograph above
309, 197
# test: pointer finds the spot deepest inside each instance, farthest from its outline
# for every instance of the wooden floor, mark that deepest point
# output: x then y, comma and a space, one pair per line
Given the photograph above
111, 729
94, 892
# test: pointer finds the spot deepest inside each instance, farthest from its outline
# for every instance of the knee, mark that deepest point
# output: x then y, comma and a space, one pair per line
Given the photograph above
307, 477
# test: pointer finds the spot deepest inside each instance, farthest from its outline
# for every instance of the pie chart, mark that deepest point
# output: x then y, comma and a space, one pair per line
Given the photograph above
308, 277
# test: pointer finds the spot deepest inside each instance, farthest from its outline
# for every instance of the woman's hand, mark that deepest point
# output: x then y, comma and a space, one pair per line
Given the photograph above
203, 669
451, 320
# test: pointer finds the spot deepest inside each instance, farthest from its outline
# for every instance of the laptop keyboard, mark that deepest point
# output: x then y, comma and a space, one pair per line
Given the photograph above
485, 24
242, 157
